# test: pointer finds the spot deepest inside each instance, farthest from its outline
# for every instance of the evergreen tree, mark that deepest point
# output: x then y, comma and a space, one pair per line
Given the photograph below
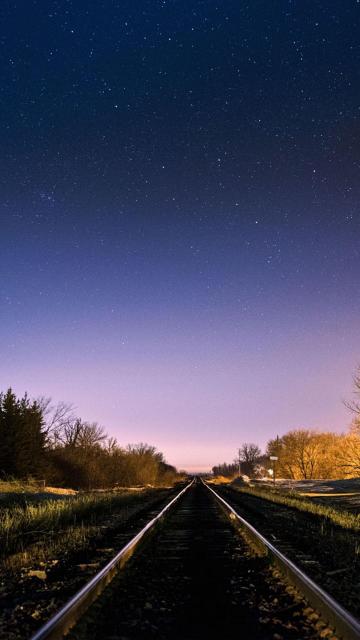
29, 440
22, 439
9, 418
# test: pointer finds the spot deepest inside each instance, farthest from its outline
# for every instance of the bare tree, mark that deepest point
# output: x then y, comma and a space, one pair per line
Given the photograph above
226, 470
70, 433
56, 418
355, 428
144, 449
80, 434
354, 405
248, 455
249, 452
348, 454
144, 462
305, 454
91, 435
111, 446
41, 437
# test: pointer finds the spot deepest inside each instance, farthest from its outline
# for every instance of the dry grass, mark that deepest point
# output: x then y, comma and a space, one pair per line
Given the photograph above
22, 525
343, 519
313, 494
18, 486
45, 550
60, 491
220, 480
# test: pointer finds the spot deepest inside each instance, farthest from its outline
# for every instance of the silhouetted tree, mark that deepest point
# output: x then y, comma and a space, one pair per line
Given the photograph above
22, 438
37, 437
55, 418
9, 418
226, 470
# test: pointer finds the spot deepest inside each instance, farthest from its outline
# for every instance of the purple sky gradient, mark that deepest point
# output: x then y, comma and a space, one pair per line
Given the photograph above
180, 221
196, 396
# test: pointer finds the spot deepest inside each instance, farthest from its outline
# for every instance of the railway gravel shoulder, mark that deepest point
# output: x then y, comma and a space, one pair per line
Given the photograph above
328, 554
31, 596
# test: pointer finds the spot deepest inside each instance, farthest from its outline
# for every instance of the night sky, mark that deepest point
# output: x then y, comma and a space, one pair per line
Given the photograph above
180, 225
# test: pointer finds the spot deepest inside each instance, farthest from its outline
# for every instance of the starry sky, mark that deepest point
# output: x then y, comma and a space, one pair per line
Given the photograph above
180, 225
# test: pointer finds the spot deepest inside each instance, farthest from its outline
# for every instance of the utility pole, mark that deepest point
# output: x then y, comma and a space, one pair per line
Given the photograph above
273, 460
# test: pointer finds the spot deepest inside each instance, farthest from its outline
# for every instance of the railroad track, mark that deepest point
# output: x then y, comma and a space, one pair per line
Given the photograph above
326, 552
197, 578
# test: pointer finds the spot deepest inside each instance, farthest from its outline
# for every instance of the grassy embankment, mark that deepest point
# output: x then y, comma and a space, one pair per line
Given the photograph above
37, 531
14, 492
18, 486
343, 518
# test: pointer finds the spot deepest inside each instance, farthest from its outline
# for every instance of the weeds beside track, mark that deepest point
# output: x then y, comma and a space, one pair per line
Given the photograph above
22, 525
340, 518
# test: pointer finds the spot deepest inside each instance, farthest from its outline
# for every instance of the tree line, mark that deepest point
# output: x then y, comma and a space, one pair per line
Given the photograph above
45, 441
304, 454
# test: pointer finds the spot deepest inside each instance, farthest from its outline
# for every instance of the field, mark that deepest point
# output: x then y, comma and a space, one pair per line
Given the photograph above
341, 494
36, 524
51, 543
326, 506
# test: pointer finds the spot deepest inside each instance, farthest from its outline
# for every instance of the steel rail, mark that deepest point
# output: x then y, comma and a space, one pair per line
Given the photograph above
344, 623
61, 623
